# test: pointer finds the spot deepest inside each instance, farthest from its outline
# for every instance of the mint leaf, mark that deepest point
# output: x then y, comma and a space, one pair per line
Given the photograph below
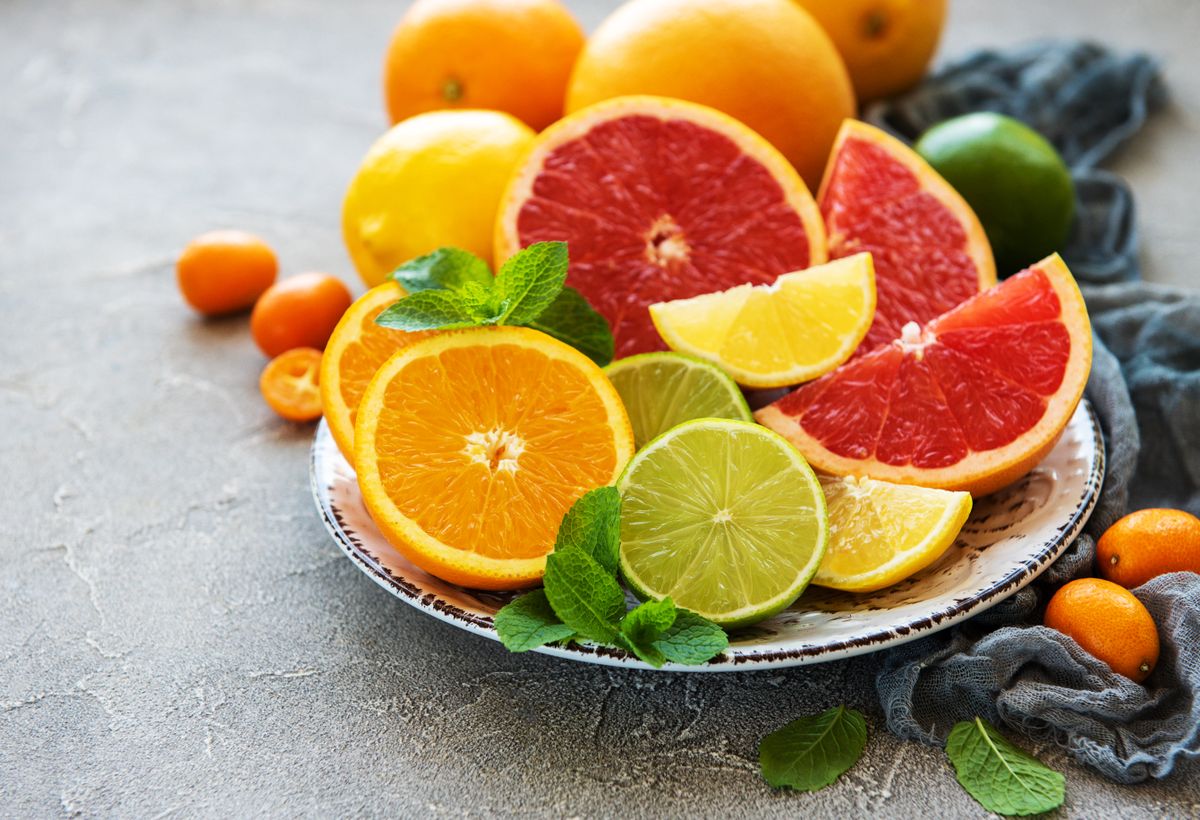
584, 594
1000, 776
448, 268
812, 752
645, 624
530, 281
569, 318
527, 622
480, 301
692, 639
427, 310
594, 525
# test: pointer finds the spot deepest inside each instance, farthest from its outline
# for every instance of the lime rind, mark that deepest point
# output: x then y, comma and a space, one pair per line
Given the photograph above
663, 389
777, 537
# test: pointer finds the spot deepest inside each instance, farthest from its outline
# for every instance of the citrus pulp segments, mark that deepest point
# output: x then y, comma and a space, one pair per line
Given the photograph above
930, 251
803, 325
723, 516
355, 350
659, 199
881, 533
471, 445
660, 390
971, 402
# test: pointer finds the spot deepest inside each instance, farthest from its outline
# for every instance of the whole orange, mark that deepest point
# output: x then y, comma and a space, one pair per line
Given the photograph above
1147, 543
1108, 622
225, 271
886, 43
508, 55
764, 62
300, 311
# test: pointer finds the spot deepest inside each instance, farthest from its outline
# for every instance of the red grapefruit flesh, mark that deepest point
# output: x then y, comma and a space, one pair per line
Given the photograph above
657, 200
929, 249
972, 401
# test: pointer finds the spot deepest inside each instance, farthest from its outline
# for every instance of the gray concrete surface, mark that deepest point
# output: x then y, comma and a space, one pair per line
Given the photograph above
178, 636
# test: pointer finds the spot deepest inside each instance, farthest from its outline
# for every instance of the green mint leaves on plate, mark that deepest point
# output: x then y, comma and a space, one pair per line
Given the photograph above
1000, 776
812, 752
528, 622
451, 288
581, 598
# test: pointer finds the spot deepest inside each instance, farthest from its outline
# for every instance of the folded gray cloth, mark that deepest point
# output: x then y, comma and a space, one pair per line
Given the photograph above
1145, 387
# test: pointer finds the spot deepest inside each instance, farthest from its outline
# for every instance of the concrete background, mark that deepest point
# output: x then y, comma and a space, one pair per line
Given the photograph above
178, 635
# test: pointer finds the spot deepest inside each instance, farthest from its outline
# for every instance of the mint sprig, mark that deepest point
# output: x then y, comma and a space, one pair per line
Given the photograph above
528, 622
451, 288
812, 752
1001, 777
581, 597
448, 268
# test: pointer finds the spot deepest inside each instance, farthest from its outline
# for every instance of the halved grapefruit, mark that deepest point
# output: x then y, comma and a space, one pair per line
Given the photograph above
972, 401
929, 249
659, 199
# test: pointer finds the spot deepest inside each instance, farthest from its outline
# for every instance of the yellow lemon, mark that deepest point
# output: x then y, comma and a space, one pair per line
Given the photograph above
432, 180
801, 326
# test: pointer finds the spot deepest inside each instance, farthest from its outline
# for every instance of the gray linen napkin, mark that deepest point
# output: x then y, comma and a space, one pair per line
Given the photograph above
1145, 387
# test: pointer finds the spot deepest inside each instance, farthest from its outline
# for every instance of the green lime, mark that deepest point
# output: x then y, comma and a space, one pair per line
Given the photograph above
660, 390
726, 517
1011, 175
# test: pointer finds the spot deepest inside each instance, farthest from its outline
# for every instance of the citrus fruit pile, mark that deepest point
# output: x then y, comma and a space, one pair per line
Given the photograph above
657, 251
683, 198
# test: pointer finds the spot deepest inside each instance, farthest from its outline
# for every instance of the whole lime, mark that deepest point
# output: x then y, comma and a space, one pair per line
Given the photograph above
1011, 175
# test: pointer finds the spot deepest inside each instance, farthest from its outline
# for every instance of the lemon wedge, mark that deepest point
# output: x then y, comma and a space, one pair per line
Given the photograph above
881, 533
800, 327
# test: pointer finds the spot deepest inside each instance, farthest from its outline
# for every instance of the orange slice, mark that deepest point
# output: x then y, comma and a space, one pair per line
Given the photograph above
659, 199
353, 353
972, 401
471, 445
929, 249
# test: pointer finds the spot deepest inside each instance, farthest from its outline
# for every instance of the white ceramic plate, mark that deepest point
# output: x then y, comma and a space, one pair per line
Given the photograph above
1011, 537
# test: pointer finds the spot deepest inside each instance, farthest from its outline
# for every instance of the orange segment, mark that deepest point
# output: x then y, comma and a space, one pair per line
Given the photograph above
471, 445
353, 353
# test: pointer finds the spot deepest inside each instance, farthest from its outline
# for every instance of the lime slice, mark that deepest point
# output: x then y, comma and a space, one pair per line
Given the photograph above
723, 516
661, 390
881, 533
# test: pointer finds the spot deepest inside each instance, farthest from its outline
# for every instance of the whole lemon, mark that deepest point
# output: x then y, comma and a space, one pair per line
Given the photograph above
764, 62
886, 43
1012, 177
432, 180
508, 55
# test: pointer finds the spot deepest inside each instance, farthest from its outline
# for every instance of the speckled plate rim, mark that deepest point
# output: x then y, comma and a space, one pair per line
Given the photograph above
735, 659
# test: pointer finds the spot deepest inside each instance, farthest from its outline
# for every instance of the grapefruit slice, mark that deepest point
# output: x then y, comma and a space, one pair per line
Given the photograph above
659, 199
972, 401
929, 249
471, 445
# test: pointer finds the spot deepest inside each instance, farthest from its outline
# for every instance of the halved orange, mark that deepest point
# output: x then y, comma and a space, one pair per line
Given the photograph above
659, 199
353, 353
471, 445
972, 401
929, 249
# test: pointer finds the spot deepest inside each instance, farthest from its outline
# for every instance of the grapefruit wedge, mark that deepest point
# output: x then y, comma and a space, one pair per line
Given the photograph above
929, 249
972, 401
659, 199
